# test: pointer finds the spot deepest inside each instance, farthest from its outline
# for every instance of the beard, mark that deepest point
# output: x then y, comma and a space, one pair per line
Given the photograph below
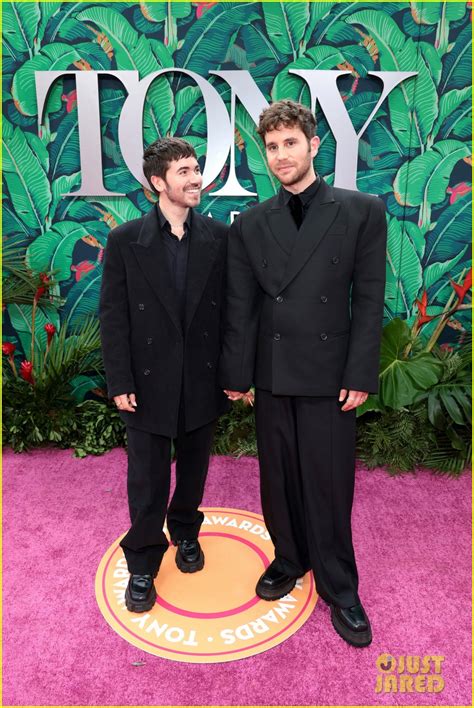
295, 177
182, 198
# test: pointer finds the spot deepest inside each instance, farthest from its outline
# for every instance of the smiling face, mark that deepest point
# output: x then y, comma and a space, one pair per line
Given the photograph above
182, 183
290, 156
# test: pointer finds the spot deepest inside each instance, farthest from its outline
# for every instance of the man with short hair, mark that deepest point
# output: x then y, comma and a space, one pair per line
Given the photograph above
160, 318
306, 278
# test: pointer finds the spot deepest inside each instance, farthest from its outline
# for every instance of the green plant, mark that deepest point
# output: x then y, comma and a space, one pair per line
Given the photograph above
422, 414
99, 429
40, 394
51, 378
410, 367
90, 428
19, 283
452, 453
397, 440
402, 440
449, 408
235, 432
26, 424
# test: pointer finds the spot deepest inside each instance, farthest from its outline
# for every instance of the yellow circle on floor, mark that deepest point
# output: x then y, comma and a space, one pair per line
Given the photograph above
213, 615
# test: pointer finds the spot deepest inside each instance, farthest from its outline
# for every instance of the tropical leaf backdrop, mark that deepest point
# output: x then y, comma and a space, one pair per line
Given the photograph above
416, 153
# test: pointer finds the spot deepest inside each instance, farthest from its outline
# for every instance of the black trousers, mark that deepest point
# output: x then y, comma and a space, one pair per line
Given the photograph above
148, 486
306, 448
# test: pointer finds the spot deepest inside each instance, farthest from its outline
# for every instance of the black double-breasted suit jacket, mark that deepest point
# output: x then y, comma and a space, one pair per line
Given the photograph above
305, 309
146, 348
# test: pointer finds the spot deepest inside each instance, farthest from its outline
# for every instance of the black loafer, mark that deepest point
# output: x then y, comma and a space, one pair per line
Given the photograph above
274, 584
352, 624
140, 595
189, 556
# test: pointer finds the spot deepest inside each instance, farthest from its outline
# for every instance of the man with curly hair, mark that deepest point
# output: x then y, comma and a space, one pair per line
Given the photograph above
306, 279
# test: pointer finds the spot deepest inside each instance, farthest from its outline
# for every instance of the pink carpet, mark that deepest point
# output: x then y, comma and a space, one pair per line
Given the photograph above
412, 536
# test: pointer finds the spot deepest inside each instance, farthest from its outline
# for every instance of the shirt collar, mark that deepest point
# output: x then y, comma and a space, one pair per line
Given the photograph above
306, 195
164, 221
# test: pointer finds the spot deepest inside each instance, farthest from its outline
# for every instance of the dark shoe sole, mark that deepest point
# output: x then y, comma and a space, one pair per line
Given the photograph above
355, 639
186, 567
268, 595
144, 605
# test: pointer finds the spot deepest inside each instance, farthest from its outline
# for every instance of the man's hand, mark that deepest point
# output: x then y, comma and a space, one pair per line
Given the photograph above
126, 402
234, 395
354, 399
247, 398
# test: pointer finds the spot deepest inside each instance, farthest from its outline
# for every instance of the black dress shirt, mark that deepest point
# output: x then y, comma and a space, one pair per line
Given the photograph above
177, 256
306, 197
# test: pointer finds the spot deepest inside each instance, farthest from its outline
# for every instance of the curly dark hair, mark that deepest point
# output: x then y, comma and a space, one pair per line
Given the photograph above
159, 154
288, 114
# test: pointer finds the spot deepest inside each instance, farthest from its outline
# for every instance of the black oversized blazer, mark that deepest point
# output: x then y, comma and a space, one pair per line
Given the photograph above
144, 348
306, 320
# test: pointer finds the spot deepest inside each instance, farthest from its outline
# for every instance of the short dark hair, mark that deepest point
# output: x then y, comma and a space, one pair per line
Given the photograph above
288, 114
159, 154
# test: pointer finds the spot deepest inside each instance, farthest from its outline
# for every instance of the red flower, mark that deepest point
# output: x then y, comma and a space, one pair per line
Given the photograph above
458, 191
202, 7
71, 100
42, 288
39, 293
422, 304
8, 348
82, 268
26, 371
462, 289
50, 330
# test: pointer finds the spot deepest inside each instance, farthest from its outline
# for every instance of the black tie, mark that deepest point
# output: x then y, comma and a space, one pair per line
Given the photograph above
296, 208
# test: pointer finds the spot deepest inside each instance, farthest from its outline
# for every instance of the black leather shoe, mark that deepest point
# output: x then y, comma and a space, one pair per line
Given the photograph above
189, 556
352, 624
140, 595
274, 584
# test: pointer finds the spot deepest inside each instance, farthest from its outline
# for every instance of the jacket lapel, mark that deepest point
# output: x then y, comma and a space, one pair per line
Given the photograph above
203, 249
321, 214
281, 225
149, 250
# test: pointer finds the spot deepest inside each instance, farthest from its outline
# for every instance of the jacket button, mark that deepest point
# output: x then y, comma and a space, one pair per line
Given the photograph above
335, 259
323, 336
264, 263
147, 372
209, 365
213, 303
141, 306
279, 298
149, 340
205, 334
324, 298
277, 336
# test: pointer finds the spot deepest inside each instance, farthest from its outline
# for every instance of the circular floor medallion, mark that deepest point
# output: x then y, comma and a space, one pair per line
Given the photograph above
213, 615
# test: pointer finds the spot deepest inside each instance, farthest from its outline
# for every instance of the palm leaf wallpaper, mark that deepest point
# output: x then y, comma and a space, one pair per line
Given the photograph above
416, 152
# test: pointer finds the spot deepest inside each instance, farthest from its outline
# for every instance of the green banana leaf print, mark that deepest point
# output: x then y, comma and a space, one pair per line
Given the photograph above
415, 153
